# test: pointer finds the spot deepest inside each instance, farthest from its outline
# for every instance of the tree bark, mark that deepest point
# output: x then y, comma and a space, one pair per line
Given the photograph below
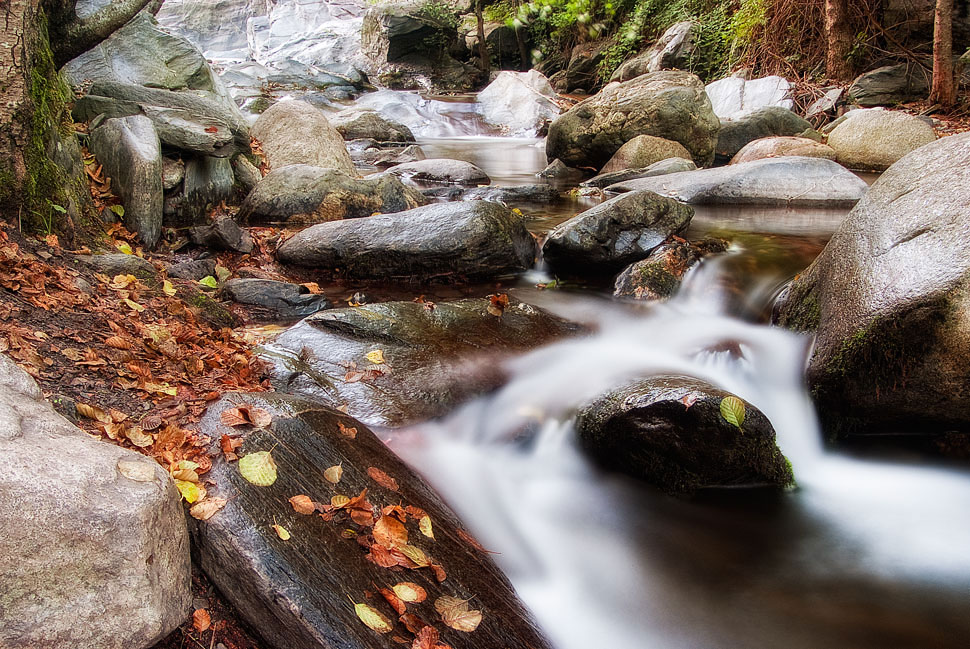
484, 63
838, 40
71, 36
943, 91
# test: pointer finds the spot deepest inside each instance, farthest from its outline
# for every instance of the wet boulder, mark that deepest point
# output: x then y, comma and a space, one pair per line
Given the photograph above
643, 151
780, 146
765, 122
559, 171
433, 356
789, 181
355, 123
605, 238
305, 194
521, 103
660, 275
390, 157
734, 97
873, 138
96, 553
441, 170
672, 432
674, 50
667, 104
668, 166
887, 298
541, 194
477, 239
294, 132
273, 300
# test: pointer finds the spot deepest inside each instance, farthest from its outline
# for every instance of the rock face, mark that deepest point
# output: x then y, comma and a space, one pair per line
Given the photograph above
305, 194
659, 276
582, 70
208, 181
436, 356
294, 132
673, 51
275, 299
643, 151
441, 170
780, 146
223, 234
888, 297
668, 166
765, 122
129, 149
873, 139
890, 85
354, 123
646, 431
672, 105
295, 592
771, 181
521, 103
734, 97
613, 234
476, 239
101, 533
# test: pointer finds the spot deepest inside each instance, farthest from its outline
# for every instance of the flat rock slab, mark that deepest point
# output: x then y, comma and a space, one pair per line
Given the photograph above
441, 170
792, 180
275, 300
435, 356
297, 593
668, 166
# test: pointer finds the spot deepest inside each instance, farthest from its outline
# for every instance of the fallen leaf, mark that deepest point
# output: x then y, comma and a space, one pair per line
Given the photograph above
382, 478
134, 306
125, 248
497, 304
426, 638
209, 281
396, 603
211, 129
413, 623
201, 620
281, 532
382, 556
439, 572
424, 524
138, 437
409, 591
92, 412
376, 357
732, 409
168, 289
390, 532
688, 400
456, 614
258, 468
302, 504
346, 431
207, 508
472, 541
373, 618
191, 491
334, 473
416, 555
117, 342
246, 416
339, 501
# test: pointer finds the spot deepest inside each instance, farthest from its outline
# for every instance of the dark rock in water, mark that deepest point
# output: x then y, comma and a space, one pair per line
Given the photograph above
305, 194
441, 170
435, 355
300, 593
659, 276
887, 297
443, 241
279, 299
516, 194
355, 123
611, 235
121, 264
668, 166
559, 171
669, 431
193, 270
773, 120
224, 234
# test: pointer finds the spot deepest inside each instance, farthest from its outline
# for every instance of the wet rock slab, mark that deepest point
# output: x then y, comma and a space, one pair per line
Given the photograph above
297, 593
275, 299
659, 276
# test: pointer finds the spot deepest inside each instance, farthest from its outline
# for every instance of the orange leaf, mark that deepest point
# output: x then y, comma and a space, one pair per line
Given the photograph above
346, 431
381, 556
409, 591
399, 606
426, 638
201, 620
382, 478
390, 532
303, 504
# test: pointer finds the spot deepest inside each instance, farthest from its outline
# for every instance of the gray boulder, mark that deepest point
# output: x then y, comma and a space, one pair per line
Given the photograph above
389, 157
643, 151
674, 50
394, 31
891, 85
659, 276
173, 173
273, 299
668, 166
668, 104
245, 172
874, 138
130, 152
521, 103
294, 132
448, 240
305, 194
780, 146
611, 235
734, 97
772, 120
354, 123
223, 234
193, 270
559, 171
887, 297
441, 170
789, 181
96, 553
669, 432
208, 181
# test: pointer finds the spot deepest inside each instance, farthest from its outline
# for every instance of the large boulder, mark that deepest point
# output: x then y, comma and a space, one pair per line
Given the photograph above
667, 104
674, 50
765, 122
521, 103
780, 146
611, 235
670, 431
643, 151
660, 275
734, 97
96, 552
129, 150
891, 85
435, 355
888, 297
476, 239
441, 170
668, 166
789, 181
306, 194
294, 132
872, 139
582, 71
354, 123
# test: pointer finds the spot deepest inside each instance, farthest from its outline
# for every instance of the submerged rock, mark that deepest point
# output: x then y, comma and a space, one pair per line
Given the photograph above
659, 276
294, 132
670, 431
441, 170
873, 139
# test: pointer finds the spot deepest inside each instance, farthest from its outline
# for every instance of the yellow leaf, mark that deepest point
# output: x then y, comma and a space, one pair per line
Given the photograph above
281, 532
190, 491
339, 500
410, 592
207, 508
93, 412
134, 305
415, 554
125, 248
334, 473
258, 468
373, 618
138, 437
376, 357
123, 281
424, 524
168, 289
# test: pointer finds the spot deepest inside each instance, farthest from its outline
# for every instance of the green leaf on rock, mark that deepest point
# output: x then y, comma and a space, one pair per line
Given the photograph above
209, 281
732, 409
258, 468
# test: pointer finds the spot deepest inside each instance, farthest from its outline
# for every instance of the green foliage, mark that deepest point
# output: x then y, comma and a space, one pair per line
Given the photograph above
442, 17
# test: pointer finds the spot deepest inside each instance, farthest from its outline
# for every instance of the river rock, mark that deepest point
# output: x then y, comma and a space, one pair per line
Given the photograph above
659, 276
792, 181
669, 432
541, 194
294, 132
441, 170
765, 122
276, 300
130, 152
436, 355
675, 50
97, 555
448, 240
873, 138
667, 104
643, 151
558, 170
193, 270
888, 298
245, 172
521, 103
891, 85
208, 182
305, 194
355, 123
223, 234
668, 166
297, 593
615, 233
118, 263
780, 146
391, 157
734, 97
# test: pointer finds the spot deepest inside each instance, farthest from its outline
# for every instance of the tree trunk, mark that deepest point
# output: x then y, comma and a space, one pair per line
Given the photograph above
484, 63
838, 40
943, 91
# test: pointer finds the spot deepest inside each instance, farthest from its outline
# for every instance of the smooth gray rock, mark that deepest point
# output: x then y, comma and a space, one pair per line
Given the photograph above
667, 104
478, 239
521, 103
441, 170
790, 181
245, 172
130, 152
888, 297
354, 123
891, 85
643, 151
516, 194
772, 120
874, 138
781, 146
118, 263
558, 170
734, 97
647, 430
208, 181
668, 166
193, 270
280, 299
96, 552
182, 130
305, 194
390, 157
659, 276
611, 235
223, 234
675, 49
294, 132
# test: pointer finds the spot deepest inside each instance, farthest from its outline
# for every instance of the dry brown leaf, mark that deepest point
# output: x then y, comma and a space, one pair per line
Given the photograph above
333, 474
390, 532
396, 603
382, 556
382, 478
409, 591
207, 508
439, 572
426, 638
456, 614
362, 517
413, 623
118, 342
303, 504
246, 416
93, 412
347, 431
201, 620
